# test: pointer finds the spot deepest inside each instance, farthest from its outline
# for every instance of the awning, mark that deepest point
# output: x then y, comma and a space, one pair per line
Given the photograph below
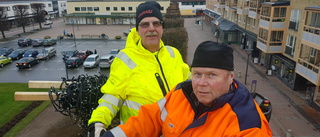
211, 14
227, 25
93, 15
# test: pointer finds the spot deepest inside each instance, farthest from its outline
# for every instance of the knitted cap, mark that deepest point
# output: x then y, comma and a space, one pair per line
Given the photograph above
148, 9
213, 55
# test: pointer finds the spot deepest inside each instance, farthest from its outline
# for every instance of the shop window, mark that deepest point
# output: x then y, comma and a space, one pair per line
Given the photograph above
83, 8
96, 8
107, 8
77, 8
123, 8
115, 8
130, 8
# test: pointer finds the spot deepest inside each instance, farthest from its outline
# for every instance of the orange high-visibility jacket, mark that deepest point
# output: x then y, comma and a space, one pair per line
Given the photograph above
234, 114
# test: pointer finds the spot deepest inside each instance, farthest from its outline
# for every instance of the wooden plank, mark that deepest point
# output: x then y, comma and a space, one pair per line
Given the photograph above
32, 96
44, 84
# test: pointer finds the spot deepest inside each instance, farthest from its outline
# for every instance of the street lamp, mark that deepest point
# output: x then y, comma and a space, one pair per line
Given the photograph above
249, 51
74, 35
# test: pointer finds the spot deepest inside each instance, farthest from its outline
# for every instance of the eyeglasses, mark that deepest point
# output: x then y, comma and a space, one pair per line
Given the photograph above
147, 24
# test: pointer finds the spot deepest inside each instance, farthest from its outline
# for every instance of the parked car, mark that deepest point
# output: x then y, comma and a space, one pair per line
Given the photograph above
27, 62
4, 60
114, 52
73, 62
47, 53
37, 42
105, 61
49, 42
84, 54
5, 51
92, 61
70, 53
31, 53
17, 54
24, 42
48, 22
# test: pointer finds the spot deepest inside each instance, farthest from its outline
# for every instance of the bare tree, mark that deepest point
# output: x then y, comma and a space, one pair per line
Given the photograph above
21, 12
38, 12
4, 23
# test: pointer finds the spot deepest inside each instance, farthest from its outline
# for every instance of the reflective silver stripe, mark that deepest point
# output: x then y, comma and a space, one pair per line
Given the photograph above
117, 132
163, 110
126, 60
170, 50
113, 100
132, 105
109, 106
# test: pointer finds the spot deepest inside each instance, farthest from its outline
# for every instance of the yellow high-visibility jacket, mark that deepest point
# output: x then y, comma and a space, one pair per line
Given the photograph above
138, 77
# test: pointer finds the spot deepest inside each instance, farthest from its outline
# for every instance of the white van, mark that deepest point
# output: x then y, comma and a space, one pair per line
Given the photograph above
92, 61
105, 61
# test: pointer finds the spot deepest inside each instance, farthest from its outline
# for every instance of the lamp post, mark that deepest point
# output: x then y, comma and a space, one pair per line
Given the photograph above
74, 35
249, 51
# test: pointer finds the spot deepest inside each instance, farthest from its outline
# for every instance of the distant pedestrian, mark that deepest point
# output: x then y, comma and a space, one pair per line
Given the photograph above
71, 35
64, 32
95, 51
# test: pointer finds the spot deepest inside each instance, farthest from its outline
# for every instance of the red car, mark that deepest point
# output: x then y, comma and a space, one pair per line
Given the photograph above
84, 54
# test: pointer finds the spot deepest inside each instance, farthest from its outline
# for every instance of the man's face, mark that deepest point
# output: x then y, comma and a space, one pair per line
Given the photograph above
150, 30
210, 83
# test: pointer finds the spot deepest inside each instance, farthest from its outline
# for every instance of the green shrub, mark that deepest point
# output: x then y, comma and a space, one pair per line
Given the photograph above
47, 37
118, 37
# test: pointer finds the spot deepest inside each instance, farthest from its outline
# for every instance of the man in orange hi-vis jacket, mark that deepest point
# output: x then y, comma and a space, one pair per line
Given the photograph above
212, 104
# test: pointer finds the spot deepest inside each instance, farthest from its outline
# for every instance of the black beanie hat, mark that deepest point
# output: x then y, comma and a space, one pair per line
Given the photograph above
213, 55
148, 9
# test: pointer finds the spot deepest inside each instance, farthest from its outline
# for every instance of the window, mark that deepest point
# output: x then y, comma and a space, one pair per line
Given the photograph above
83, 8
96, 8
291, 42
123, 8
8, 8
49, 5
294, 19
130, 8
315, 22
77, 8
107, 8
115, 8
89, 8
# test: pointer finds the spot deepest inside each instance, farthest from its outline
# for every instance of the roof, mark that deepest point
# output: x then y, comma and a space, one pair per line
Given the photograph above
277, 3
317, 8
211, 14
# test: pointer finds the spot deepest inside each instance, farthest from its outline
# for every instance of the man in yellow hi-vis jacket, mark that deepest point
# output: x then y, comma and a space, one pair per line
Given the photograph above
142, 73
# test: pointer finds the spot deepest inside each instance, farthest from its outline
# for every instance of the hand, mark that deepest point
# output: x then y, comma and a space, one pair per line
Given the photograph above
96, 129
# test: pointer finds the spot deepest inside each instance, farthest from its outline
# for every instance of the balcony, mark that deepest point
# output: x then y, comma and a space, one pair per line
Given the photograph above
275, 24
243, 11
269, 46
311, 35
253, 13
308, 71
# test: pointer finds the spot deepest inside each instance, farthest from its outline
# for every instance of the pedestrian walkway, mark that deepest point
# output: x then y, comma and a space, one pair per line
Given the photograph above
291, 115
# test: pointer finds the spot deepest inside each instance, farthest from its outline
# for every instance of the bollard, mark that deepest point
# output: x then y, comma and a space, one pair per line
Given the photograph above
239, 74
289, 131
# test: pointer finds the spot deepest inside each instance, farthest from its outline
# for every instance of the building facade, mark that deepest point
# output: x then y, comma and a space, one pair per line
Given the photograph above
52, 9
282, 36
105, 12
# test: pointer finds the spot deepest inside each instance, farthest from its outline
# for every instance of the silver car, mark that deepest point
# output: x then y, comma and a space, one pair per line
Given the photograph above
92, 61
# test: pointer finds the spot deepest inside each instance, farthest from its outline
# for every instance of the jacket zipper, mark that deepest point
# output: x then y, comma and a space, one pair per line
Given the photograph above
164, 78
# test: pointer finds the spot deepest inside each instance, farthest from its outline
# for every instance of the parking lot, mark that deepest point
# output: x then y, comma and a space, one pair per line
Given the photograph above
54, 68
